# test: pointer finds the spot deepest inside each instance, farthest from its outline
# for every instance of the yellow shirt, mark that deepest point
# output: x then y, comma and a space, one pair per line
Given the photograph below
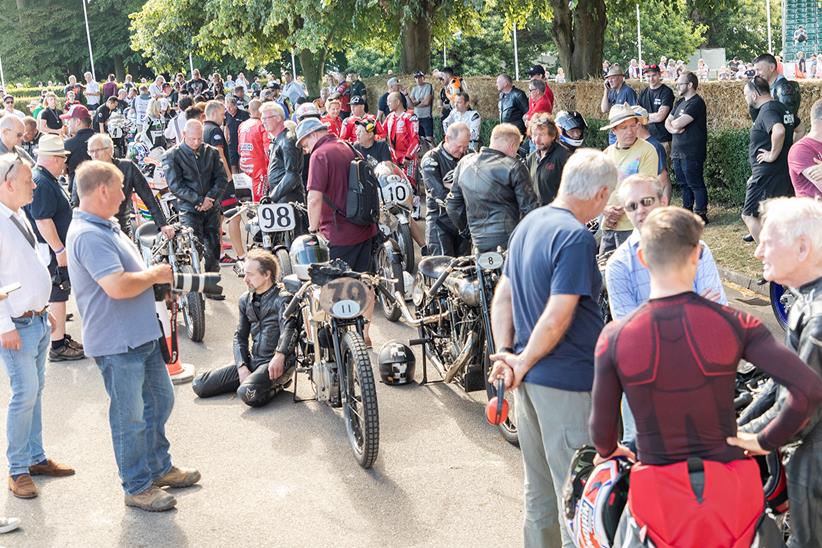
642, 158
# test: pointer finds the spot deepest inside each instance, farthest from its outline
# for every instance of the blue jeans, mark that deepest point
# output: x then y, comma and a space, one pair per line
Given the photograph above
26, 369
141, 397
692, 182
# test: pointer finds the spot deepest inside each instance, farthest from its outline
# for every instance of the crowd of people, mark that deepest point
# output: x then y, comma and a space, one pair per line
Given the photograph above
663, 369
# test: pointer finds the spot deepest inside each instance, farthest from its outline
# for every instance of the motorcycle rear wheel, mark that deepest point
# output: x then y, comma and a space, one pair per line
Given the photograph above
362, 421
388, 268
406, 243
193, 307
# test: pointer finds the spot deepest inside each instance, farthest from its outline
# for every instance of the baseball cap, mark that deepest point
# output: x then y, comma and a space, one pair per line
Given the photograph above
536, 69
357, 100
418, 74
76, 111
651, 68
273, 85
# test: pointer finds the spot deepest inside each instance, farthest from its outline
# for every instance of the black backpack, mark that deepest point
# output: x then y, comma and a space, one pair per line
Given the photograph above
362, 202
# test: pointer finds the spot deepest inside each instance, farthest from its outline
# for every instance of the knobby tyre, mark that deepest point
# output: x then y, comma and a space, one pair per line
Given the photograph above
284, 260
362, 421
388, 268
193, 308
406, 243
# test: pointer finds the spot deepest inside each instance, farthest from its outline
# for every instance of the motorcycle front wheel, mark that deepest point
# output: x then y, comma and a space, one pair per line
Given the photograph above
508, 428
781, 301
193, 307
406, 243
389, 267
285, 262
362, 421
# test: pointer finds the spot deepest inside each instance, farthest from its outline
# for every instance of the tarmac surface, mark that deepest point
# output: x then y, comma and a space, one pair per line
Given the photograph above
283, 475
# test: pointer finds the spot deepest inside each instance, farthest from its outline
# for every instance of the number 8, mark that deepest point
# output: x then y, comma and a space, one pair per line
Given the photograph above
282, 217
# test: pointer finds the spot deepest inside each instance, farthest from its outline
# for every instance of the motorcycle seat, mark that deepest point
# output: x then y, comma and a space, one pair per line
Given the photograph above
292, 283
147, 234
432, 267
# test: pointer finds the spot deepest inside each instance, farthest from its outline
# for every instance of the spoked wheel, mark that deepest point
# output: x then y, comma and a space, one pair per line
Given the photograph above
193, 307
781, 302
508, 429
406, 243
389, 267
362, 421
285, 262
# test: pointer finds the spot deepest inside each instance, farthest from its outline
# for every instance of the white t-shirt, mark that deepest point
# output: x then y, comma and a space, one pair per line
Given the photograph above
418, 93
93, 87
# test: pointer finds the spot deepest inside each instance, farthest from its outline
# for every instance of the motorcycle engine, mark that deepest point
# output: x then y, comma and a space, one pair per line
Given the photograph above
325, 379
466, 290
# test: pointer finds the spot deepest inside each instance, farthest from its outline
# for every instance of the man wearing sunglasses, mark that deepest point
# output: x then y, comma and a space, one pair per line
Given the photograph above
12, 131
629, 281
8, 107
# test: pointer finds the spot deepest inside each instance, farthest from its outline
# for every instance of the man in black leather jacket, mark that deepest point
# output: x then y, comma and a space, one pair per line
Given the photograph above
546, 163
101, 147
492, 191
260, 372
196, 176
285, 161
437, 168
513, 103
791, 255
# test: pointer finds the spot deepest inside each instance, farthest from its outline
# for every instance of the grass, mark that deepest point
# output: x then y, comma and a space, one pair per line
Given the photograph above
724, 236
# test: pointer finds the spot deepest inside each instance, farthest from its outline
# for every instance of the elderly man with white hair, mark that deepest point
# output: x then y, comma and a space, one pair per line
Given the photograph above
790, 248
546, 322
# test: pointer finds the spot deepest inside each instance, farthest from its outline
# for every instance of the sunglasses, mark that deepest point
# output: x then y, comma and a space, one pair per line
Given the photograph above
11, 167
9, 102
647, 201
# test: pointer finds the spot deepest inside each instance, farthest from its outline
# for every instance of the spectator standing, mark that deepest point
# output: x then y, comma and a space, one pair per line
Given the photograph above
128, 83
358, 116
634, 70
688, 125
92, 92
344, 92
25, 327
546, 321
513, 103
12, 131
31, 137
367, 143
548, 160
560, 79
140, 106
643, 133
112, 283
805, 158
8, 107
462, 112
293, 89
658, 100
253, 146
616, 92
537, 72
196, 86
402, 134
358, 89
156, 87
78, 125
422, 97
382, 104
174, 128
51, 212
332, 118
234, 116
101, 116
285, 162
110, 87
241, 81
451, 85
771, 138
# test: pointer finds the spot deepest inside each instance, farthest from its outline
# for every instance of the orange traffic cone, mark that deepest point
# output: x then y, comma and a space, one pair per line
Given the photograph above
179, 372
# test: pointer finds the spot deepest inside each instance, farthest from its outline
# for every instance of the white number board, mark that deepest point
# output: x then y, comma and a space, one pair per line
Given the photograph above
276, 217
397, 192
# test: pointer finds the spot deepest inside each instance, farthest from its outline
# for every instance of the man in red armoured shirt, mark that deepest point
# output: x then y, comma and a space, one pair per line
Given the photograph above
332, 118
403, 135
358, 114
675, 358
253, 143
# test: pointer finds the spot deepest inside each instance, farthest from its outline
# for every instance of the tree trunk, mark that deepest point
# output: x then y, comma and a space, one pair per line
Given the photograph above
579, 35
313, 65
415, 40
119, 68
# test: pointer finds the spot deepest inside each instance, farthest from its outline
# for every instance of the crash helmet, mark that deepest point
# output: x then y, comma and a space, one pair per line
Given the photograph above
594, 498
305, 251
774, 481
568, 120
137, 153
397, 363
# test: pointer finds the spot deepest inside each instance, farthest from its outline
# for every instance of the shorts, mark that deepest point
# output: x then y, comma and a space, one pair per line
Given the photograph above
763, 186
58, 295
359, 257
426, 127
229, 196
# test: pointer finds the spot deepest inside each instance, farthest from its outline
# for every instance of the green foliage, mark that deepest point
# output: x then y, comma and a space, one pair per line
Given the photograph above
666, 30
741, 27
726, 167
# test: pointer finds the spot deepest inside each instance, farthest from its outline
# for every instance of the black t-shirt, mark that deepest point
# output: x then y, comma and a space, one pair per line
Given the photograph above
691, 144
101, 116
233, 125
213, 135
652, 100
771, 113
379, 151
52, 118
196, 87
50, 202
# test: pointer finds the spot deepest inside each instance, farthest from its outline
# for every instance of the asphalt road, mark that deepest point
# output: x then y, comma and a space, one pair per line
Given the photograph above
284, 474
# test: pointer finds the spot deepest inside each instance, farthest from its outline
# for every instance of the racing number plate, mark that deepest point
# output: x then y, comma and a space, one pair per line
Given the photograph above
276, 217
490, 261
344, 298
397, 192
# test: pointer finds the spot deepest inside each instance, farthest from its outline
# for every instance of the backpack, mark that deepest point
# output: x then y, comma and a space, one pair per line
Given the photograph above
362, 201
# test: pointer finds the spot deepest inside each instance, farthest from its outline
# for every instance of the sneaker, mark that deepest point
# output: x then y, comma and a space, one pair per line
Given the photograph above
51, 468
748, 238
9, 524
72, 343
66, 354
227, 259
178, 477
23, 487
152, 499
704, 217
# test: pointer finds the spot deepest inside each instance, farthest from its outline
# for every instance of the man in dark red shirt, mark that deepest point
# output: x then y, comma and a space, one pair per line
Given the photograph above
328, 169
675, 358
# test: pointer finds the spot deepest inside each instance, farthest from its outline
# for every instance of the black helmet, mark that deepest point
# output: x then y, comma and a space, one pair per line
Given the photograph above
568, 120
774, 481
397, 363
305, 251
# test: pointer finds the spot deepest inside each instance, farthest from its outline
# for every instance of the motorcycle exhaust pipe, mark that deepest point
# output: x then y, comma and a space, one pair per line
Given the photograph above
462, 359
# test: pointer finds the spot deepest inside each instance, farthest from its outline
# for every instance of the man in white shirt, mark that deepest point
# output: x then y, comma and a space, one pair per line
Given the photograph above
25, 331
92, 92
8, 107
462, 112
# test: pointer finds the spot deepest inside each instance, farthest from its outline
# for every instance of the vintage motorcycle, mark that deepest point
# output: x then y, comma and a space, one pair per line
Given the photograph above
183, 253
331, 351
396, 204
782, 298
453, 299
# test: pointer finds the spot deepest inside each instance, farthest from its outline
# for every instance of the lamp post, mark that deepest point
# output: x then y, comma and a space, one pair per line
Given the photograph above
88, 37
516, 54
639, 41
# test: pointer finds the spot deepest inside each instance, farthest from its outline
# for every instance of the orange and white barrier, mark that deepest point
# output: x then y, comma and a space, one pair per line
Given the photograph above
178, 371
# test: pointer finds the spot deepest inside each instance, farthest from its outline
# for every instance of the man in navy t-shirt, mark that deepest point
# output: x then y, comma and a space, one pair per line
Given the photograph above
546, 321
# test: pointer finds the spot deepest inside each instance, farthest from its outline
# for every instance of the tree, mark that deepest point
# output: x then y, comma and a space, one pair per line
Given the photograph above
741, 27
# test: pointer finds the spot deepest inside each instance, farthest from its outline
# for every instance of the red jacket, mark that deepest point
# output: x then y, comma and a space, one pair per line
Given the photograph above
253, 142
334, 124
403, 133
349, 128
344, 90
543, 104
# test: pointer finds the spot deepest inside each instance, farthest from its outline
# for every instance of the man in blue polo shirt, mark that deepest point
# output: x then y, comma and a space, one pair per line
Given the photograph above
546, 321
120, 328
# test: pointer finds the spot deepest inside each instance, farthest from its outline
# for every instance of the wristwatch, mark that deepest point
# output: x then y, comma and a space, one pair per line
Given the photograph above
506, 349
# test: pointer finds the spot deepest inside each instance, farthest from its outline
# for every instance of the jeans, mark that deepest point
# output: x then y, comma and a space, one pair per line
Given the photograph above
207, 230
26, 369
692, 182
141, 397
552, 424
426, 128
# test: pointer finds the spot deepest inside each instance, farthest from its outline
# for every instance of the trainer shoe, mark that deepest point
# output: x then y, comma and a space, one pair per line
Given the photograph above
178, 477
748, 238
152, 499
72, 343
51, 468
23, 487
66, 354
9, 524
227, 260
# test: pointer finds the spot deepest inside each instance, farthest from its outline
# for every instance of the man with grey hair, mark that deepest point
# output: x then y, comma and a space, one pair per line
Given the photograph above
513, 103
546, 322
12, 131
285, 161
790, 248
